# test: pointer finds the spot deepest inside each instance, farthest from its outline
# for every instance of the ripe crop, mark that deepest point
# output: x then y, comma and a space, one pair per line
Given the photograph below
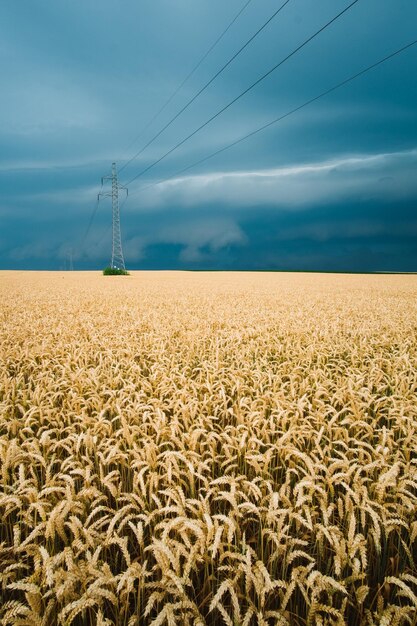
208, 448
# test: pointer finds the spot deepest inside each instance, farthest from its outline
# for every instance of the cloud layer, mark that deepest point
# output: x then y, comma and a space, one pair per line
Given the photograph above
387, 175
332, 187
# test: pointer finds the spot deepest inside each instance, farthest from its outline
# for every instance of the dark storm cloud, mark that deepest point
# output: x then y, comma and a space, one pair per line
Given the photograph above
333, 187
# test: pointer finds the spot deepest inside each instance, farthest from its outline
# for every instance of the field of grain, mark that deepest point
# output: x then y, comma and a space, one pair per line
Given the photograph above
208, 448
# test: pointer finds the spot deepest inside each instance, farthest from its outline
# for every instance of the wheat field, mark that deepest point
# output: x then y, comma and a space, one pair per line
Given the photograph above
208, 448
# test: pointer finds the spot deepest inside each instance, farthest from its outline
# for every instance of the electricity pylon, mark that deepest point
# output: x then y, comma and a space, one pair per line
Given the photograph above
117, 260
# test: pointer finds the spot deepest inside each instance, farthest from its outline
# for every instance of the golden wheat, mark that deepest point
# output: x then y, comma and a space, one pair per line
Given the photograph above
201, 449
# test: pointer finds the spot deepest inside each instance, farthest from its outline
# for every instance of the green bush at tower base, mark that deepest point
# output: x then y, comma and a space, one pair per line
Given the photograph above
115, 271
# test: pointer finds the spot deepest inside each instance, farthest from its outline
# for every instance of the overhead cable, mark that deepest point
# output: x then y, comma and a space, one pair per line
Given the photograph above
186, 79
252, 86
207, 84
281, 117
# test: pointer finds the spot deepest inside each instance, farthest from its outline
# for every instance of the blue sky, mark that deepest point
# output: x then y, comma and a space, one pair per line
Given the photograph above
333, 187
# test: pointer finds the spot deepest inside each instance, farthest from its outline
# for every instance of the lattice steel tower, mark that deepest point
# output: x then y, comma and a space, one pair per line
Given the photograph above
117, 260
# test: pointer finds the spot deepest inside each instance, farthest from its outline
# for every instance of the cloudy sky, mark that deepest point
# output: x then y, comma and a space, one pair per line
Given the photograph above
331, 187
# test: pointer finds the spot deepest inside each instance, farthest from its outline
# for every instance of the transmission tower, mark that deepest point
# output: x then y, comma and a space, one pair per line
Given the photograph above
117, 260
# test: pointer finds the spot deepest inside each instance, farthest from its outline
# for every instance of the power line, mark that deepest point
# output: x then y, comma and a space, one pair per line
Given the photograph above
195, 68
212, 79
90, 223
94, 211
259, 80
108, 230
284, 116
92, 217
